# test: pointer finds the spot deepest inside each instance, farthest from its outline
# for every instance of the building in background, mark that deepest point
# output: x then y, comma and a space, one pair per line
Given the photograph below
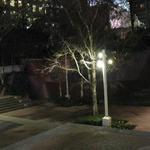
141, 10
29, 10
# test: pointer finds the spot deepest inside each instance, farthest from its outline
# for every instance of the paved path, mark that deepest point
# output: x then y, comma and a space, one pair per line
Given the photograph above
83, 137
14, 129
137, 115
31, 123
38, 123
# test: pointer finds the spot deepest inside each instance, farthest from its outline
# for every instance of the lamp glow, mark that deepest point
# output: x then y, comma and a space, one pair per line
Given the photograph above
100, 64
100, 55
110, 61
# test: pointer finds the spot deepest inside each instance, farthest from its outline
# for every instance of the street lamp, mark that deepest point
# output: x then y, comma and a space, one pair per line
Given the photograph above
101, 63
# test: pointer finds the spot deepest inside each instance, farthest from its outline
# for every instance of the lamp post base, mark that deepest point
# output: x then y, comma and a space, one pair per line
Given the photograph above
67, 96
106, 121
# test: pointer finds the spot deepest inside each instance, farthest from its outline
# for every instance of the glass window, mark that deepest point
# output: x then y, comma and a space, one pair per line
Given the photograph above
12, 3
19, 3
34, 8
142, 6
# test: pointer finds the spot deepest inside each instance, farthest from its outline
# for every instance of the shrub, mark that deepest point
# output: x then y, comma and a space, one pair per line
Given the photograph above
91, 120
122, 124
97, 121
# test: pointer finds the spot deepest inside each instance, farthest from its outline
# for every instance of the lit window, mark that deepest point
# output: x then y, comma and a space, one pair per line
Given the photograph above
27, 27
40, 9
45, 11
142, 6
92, 2
12, 3
34, 8
14, 12
29, 20
47, 5
19, 3
34, 19
4, 1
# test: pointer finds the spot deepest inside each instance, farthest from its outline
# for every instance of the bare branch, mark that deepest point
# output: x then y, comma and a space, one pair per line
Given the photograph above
95, 16
76, 62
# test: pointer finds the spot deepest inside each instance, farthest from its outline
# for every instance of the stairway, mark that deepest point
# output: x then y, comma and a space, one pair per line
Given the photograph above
10, 103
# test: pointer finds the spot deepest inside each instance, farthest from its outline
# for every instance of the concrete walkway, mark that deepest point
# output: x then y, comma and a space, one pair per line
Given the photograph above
45, 127
83, 137
137, 115
14, 129
38, 123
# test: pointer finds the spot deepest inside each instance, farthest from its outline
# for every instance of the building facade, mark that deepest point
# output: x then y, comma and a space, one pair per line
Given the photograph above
29, 10
141, 10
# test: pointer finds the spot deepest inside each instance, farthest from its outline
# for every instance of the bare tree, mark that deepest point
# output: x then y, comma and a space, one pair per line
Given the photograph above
89, 25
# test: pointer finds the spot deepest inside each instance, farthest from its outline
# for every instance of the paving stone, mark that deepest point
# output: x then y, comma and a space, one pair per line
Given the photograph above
83, 137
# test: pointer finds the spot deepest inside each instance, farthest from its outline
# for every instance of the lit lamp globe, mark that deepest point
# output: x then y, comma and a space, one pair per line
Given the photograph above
100, 55
100, 64
110, 61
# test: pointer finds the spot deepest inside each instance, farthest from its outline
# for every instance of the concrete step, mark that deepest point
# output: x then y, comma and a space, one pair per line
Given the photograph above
11, 109
7, 100
10, 103
6, 97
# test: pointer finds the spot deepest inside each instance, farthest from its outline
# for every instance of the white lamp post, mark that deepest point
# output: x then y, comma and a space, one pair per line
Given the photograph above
66, 75
106, 121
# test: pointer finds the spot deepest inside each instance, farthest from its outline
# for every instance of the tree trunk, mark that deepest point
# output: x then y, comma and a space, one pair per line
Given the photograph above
94, 93
2, 92
132, 14
60, 89
81, 90
81, 86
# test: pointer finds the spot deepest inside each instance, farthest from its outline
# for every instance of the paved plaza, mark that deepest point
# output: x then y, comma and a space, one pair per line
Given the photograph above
51, 127
83, 137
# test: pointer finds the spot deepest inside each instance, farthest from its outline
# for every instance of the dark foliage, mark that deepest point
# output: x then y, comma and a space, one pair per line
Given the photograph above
97, 121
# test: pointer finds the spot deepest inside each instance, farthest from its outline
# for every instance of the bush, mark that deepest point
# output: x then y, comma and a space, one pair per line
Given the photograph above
91, 120
122, 124
97, 121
